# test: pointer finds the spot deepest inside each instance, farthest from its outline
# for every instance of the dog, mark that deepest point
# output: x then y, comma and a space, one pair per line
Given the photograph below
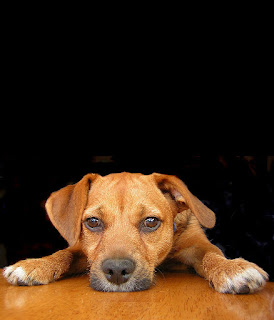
120, 227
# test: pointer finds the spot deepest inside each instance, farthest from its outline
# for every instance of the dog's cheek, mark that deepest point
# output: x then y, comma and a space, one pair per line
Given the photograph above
90, 243
158, 245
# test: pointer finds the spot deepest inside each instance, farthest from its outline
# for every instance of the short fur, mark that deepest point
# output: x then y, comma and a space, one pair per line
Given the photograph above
122, 201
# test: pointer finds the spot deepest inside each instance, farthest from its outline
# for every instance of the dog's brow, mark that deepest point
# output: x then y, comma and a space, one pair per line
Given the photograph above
149, 210
96, 208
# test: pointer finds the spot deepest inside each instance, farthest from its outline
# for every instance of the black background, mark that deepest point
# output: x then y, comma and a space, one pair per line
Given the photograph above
65, 87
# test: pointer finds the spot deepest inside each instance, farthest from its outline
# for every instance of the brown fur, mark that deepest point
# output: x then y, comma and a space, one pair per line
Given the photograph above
122, 201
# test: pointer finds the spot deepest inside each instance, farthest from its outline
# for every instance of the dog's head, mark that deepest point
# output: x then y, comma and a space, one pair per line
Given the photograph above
124, 224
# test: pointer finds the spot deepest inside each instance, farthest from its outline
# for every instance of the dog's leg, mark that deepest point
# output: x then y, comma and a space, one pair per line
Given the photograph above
47, 269
226, 276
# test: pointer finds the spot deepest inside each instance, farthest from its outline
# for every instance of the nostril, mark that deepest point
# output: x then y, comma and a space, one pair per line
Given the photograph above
124, 272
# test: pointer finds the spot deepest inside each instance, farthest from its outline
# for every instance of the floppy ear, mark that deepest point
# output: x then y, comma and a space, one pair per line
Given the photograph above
65, 208
184, 199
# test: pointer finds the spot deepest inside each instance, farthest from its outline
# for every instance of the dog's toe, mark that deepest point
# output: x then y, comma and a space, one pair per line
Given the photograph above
244, 289
7, 271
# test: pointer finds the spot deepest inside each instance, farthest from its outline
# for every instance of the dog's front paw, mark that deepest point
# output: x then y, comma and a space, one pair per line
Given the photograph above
233, 276
31, 272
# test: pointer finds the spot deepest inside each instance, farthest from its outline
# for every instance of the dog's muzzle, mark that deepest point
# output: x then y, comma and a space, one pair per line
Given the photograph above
119, 275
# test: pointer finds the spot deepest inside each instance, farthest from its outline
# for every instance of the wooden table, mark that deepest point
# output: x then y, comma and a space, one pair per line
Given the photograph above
174, 296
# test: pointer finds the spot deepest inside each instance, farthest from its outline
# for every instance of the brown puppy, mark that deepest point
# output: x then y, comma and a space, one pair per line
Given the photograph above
122, 226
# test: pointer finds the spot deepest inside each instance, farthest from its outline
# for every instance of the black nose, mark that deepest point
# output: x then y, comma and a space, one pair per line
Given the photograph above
118, 271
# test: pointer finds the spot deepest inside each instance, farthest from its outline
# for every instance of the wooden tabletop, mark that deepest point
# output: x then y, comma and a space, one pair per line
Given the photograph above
174, 296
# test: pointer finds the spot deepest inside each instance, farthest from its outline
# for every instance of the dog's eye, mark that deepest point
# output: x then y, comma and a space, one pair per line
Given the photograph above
94, 224
150, 224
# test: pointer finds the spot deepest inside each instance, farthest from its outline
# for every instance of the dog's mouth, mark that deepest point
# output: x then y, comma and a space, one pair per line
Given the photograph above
119, 275
133, 285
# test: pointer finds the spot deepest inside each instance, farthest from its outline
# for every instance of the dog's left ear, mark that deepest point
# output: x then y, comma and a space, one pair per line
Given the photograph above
179, 192
65, 207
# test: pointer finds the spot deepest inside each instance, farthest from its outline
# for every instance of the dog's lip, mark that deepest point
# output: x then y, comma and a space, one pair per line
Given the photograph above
130, 286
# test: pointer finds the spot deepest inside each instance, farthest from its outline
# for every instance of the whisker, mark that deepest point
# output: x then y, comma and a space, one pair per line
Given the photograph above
162, 274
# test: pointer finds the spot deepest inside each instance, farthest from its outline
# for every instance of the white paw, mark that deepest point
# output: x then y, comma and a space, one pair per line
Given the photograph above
233, 276
247, 281
27, 273
15, 275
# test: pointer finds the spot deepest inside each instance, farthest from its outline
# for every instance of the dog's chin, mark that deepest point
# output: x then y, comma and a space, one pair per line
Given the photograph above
129, 286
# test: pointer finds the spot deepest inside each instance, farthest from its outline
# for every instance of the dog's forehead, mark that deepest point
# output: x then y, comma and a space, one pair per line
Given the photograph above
122, 189
119, 184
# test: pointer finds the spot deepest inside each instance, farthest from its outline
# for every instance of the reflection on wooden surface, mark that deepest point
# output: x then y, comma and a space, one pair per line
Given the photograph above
174, 296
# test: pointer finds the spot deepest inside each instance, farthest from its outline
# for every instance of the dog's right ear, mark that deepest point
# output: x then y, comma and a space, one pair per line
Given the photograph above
66, 206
